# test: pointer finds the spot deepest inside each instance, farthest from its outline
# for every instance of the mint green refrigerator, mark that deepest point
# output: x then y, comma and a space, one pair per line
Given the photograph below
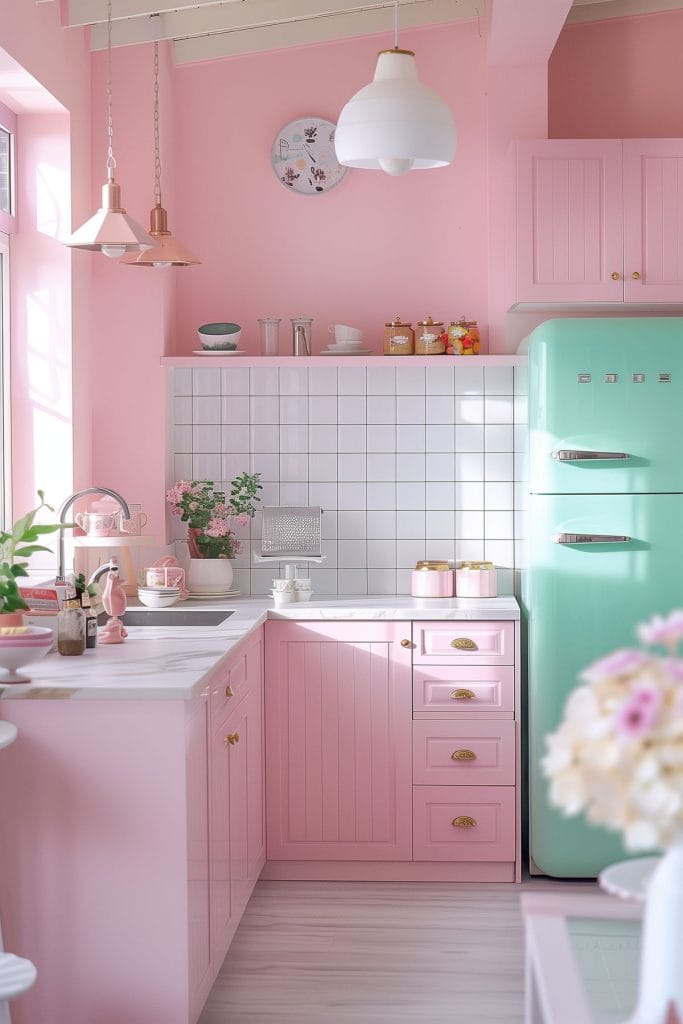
605, 529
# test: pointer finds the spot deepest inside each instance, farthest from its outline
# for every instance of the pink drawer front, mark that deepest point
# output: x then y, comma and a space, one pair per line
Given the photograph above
458, 753
474, 688
464, 823
492, 643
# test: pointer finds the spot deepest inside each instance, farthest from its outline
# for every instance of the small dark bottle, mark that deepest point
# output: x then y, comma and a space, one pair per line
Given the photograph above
90, 621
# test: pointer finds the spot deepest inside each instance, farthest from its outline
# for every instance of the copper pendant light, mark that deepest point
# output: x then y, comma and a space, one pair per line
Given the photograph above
166, 252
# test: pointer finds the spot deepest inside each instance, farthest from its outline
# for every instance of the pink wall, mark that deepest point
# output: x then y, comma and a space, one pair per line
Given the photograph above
374, 246
618, 79
50, 294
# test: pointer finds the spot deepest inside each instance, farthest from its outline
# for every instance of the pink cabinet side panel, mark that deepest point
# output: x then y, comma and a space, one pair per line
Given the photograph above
338, 742
94, 868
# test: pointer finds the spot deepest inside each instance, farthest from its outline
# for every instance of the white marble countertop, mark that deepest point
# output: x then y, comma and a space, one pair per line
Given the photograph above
169, 662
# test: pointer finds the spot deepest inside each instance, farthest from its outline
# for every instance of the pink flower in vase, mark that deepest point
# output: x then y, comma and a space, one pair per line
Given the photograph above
638, 714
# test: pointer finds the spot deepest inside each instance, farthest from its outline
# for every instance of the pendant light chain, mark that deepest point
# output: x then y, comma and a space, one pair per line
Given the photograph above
396, 24
157, 157
111, 161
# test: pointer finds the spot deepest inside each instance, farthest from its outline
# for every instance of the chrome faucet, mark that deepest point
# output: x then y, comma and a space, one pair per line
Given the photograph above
67, 505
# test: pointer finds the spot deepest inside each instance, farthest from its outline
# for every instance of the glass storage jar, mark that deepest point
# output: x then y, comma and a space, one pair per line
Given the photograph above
71, 628
428, 338
399, 338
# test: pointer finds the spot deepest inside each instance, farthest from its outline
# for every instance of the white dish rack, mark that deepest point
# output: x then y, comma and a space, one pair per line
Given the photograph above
291, 534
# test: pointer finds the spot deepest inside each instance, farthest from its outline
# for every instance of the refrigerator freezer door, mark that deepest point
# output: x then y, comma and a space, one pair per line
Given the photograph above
606, 405
584, 602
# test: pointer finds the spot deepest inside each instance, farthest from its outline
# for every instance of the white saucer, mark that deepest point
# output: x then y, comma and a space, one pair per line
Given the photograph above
628, 879
212, 594
219, 352
346, 351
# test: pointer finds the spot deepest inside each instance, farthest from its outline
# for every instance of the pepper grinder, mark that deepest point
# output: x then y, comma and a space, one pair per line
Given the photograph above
301, 335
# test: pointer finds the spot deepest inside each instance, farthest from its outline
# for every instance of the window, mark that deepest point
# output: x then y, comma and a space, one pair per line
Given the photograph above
6, 171
5, 509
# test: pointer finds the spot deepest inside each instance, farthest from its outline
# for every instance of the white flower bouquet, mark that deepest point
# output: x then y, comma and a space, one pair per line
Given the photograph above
617, 756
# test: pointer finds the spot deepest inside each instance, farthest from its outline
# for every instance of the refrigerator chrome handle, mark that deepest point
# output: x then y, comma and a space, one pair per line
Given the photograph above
588, 538
579, 455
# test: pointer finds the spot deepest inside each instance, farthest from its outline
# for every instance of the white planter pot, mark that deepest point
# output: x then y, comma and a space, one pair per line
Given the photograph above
661, 959
209, 575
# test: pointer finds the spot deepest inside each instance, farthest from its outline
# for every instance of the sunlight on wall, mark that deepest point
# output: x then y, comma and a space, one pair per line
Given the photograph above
53, 207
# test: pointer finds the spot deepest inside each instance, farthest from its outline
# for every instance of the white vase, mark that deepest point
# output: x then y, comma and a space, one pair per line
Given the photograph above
661, 959
209, 575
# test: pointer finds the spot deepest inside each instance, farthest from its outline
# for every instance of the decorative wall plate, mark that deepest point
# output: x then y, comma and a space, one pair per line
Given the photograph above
303, 156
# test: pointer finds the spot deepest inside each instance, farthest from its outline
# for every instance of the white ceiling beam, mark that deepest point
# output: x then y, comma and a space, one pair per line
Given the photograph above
257, 16
599, 10
91, 12
368, 20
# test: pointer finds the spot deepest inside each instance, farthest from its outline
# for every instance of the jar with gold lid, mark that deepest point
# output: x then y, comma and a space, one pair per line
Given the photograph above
432, 578
399, 338
476, 579
429, 339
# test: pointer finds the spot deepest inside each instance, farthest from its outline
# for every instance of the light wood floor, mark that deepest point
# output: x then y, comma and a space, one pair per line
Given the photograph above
370, 952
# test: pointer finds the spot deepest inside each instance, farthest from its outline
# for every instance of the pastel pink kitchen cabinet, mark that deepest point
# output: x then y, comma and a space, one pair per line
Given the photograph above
119, 854
597, 221
338, 742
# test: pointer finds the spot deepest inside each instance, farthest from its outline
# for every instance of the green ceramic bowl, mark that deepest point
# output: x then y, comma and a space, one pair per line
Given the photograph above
224, 337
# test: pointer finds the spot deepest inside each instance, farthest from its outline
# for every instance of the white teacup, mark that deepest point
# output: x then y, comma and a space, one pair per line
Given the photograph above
96, 524
162, 576
345, 335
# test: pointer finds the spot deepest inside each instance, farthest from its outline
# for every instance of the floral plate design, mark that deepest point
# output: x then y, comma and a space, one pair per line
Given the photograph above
304, 158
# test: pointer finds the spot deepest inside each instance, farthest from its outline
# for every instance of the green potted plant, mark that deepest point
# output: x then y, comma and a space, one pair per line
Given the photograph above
211, 518
16, 545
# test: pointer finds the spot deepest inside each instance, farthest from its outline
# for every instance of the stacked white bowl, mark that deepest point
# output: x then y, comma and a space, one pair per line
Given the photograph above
158, 597
346, 339
21, 646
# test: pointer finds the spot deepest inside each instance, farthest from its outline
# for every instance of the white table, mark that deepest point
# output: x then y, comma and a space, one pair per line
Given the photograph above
581, 958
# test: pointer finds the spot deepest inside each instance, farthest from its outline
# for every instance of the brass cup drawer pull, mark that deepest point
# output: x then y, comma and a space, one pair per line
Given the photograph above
462, 695
232, 738
464, 821
464, 643
407, 643
463, 755
229, 692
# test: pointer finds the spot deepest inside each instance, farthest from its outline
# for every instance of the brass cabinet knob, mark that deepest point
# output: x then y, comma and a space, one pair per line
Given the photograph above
232, 738
616, 275
407, 643
462, 695
635, 275
463, 643
229, 692
463, 755
464, 821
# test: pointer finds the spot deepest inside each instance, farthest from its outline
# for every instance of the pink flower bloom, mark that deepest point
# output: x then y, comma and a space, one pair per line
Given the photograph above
243, 519
674, 666
667, 631
637, 715
621, 663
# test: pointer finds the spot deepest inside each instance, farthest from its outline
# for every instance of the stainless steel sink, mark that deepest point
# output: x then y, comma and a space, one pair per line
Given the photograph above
174, 617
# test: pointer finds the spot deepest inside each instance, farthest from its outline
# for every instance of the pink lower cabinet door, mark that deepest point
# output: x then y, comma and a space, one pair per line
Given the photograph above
465, 823
338, 741
464, 753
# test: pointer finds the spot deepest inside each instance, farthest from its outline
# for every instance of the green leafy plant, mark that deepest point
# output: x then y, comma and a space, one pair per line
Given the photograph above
18, 544
209, 516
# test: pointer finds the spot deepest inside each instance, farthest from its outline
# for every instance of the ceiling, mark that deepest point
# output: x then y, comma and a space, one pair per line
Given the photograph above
206, 29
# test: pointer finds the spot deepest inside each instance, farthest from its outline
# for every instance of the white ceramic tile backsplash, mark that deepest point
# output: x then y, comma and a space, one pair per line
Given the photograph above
408, 462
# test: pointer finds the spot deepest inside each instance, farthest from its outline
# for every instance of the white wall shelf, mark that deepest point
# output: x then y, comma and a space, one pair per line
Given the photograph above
319, 360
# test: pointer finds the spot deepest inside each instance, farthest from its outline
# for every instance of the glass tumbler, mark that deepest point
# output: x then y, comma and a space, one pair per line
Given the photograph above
270, 331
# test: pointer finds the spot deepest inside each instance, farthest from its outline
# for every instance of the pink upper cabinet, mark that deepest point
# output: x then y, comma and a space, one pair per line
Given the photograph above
653, 220
569, 237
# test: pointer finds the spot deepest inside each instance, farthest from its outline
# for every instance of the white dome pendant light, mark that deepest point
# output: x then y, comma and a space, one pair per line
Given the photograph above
110, 230
395, 124
167, 252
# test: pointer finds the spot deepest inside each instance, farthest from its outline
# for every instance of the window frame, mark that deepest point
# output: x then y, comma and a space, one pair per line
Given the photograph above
5, 419
8, 121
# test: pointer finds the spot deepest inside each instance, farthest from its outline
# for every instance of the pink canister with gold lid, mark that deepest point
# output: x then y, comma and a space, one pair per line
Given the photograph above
432, 578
